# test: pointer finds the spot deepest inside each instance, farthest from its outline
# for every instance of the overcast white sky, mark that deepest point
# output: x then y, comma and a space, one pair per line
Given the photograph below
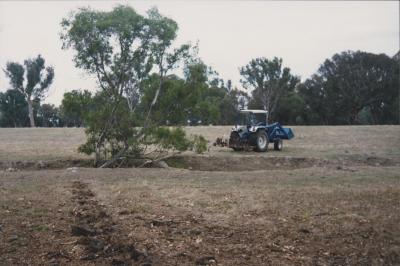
230, 33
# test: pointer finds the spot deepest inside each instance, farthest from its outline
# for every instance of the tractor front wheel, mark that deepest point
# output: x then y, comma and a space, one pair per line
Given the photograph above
262, 141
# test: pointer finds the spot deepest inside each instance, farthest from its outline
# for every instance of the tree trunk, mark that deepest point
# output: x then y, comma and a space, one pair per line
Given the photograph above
154, 99
30, 111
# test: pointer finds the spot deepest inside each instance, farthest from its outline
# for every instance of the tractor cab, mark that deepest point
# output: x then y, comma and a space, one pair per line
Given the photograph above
250, 121
251, 118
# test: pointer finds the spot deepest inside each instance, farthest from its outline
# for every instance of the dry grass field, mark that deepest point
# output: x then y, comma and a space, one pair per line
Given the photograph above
331, 197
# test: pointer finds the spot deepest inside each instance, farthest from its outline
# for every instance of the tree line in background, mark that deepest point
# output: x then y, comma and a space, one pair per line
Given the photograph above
349, 88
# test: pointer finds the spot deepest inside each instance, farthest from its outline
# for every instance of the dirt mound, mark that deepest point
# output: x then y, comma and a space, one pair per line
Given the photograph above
217, 163
45, 164
100, 239
261, 162
241, 163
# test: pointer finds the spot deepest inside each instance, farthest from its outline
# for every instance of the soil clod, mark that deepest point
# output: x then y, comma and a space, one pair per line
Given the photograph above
82, 230
207, 260
304, 231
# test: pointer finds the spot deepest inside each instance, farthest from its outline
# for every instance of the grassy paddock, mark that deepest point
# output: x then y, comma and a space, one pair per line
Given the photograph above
309, 141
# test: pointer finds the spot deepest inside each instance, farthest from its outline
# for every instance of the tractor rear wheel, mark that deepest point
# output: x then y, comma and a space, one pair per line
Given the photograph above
262, 141
278, 144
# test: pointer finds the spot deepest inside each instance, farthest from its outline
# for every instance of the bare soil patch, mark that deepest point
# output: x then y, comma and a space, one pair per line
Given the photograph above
99, 235
307, 216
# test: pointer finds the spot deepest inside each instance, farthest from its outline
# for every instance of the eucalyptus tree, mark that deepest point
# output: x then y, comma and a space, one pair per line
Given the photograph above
32, 80
121, 48
268, 80
114, 46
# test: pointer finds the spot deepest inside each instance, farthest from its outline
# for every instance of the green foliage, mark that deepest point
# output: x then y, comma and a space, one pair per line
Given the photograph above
175, 139
352, 83
37, 82
199, 144
205, 94
200, 98
365, 116
200, 92
75, 106
172, 102
13, 109
290, 109
121, 47
109, 126
168, 138
269, 81
229, 106
48, 116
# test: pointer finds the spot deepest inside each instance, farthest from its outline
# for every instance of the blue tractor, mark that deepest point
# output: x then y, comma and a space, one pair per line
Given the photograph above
252, 131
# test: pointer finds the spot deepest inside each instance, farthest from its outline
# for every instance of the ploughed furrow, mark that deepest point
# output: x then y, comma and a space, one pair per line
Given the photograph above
100, 239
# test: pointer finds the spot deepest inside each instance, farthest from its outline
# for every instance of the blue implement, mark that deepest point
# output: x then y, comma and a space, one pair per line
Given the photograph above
276, 131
